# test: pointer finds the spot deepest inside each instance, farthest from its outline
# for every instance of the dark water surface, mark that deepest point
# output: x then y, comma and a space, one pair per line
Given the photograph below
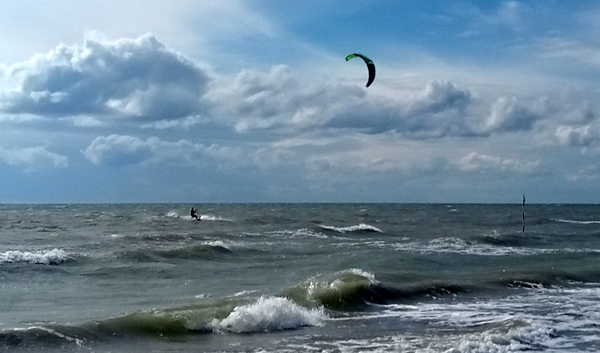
299, 278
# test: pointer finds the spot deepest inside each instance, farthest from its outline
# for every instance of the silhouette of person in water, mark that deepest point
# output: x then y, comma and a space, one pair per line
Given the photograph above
194, 214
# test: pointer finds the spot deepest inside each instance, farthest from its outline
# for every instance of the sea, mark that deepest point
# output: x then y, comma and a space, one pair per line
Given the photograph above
299, 278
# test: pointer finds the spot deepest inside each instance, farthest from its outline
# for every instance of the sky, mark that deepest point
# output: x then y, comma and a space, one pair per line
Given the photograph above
252, 101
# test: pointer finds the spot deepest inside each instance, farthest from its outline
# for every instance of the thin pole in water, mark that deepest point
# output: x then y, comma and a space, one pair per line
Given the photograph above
523, 209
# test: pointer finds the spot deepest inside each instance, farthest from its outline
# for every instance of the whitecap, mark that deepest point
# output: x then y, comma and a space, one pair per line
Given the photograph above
44, 257
362, 273
362, 227
270, 314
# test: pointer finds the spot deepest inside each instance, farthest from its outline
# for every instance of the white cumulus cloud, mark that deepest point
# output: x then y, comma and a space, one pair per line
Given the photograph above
137, 77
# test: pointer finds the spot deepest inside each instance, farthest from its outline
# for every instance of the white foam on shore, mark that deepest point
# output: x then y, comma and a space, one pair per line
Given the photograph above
43, 257
270, 314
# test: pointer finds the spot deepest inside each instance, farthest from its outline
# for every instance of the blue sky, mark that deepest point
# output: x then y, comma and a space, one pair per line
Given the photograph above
252, 101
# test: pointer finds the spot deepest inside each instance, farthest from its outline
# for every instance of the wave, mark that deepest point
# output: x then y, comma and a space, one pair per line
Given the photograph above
355, 288
203, 251
265, 314
512, 239
36, 337
271, 314
560, 220
208, 250
41, 257
362, 227
485, 246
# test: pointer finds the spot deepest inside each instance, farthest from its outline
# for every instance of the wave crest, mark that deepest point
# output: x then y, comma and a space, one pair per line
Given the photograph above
271, 314
362, 227
41, 257
341, 290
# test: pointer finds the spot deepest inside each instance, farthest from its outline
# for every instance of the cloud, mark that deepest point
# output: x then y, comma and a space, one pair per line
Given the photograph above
141, 81
279, 100
478, 162
122, 150
131, 78
118, 150
577, 136
509, 114
32, 158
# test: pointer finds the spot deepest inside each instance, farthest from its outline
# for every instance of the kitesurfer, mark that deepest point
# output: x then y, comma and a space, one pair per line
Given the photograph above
194, 214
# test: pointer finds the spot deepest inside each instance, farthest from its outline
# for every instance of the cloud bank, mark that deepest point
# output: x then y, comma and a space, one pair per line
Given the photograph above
134, 103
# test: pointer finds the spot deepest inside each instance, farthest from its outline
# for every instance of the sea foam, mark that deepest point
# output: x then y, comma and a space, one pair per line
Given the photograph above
270, 314
44, 257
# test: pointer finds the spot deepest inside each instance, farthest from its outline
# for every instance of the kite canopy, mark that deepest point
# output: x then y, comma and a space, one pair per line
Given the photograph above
370, 65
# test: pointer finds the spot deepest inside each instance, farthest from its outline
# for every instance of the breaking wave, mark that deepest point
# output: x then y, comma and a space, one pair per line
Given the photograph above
354, 288
42, 257
271, 314
265, 314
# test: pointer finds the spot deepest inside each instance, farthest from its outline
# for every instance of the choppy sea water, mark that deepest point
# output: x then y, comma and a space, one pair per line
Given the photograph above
299, 278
